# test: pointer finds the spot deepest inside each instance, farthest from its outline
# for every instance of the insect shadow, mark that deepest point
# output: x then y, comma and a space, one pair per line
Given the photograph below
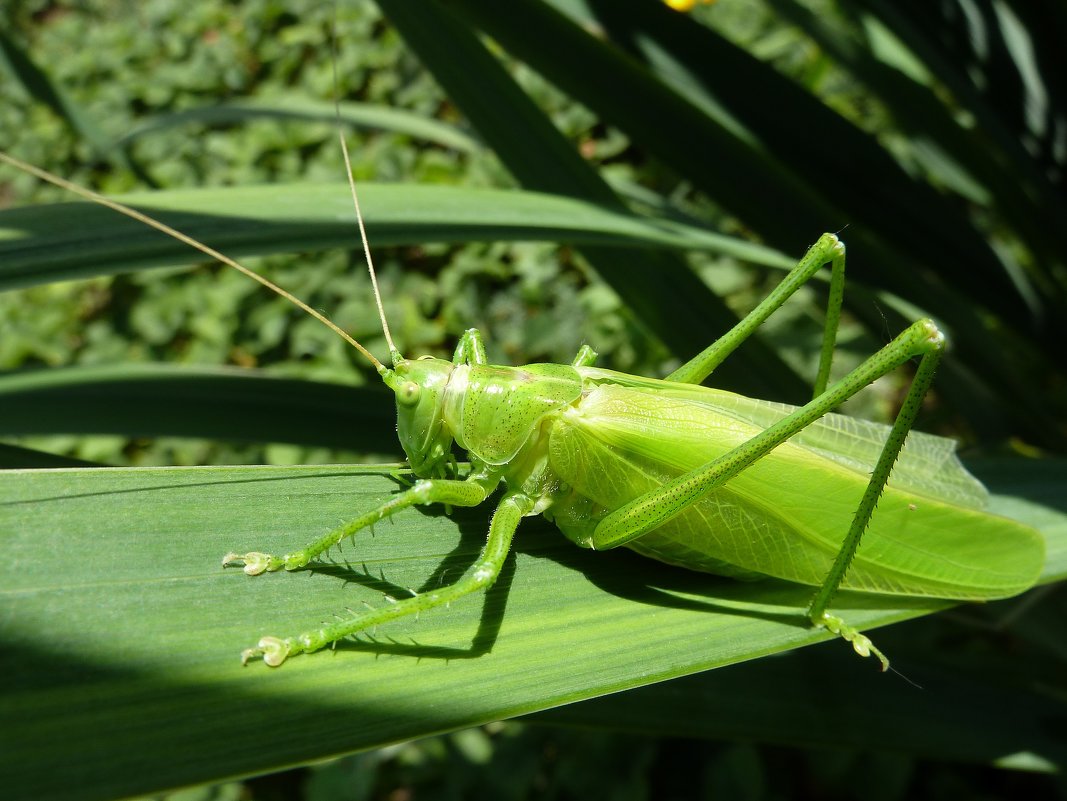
471, 526
623, 574
627, 575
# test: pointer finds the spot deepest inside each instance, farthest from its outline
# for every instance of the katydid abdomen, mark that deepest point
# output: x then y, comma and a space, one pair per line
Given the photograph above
785, 515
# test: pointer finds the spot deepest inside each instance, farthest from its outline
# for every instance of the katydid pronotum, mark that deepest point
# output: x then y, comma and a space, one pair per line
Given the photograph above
692, 476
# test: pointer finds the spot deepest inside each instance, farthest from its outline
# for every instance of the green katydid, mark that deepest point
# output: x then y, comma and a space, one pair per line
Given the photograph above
682, 473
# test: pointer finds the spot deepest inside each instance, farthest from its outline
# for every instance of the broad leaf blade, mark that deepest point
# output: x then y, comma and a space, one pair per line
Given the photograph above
119, 617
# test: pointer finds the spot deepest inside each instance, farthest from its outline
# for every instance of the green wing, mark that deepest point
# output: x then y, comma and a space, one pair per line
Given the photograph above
784, 516
927, 466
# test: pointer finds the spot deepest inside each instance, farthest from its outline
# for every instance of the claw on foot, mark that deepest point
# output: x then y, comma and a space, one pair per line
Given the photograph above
273, 650
861, 643
254, 562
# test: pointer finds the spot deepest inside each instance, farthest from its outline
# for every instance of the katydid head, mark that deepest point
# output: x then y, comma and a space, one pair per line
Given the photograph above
419, 385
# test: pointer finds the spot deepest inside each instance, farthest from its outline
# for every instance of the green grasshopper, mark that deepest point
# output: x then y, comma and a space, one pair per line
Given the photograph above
685, 474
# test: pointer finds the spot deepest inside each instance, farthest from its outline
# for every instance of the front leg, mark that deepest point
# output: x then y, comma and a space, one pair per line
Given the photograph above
470, 492
275, 650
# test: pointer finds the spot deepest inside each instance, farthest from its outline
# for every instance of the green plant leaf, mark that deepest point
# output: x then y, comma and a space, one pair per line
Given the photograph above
59, 241
20, 68
121, 632
139, 400
678, 108
295, 107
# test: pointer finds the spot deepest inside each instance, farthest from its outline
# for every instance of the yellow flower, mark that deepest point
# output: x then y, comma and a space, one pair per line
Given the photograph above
686, 5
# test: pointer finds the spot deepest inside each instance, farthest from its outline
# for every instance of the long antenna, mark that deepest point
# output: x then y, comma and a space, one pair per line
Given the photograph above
188, 240
394, 354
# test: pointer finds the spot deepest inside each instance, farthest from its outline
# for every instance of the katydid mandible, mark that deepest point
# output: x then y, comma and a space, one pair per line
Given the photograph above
685, 474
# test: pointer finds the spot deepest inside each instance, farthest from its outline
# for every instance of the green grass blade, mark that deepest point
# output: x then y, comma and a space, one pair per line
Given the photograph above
961, 157
295, 107
60, 241
225, 404
121, 631
793, 166
971, 57
20, 68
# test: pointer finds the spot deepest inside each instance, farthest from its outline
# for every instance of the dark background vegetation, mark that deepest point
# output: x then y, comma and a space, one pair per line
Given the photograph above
932, 133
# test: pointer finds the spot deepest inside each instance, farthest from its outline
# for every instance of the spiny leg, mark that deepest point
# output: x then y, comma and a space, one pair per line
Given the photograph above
275, 650
470, 492
909, 410
828, 249
657, 506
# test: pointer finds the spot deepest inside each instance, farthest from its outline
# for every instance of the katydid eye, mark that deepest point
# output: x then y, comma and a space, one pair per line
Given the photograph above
408, 394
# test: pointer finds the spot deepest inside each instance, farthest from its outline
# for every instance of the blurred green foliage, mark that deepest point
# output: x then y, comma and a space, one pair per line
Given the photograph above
954, 109
533, 305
